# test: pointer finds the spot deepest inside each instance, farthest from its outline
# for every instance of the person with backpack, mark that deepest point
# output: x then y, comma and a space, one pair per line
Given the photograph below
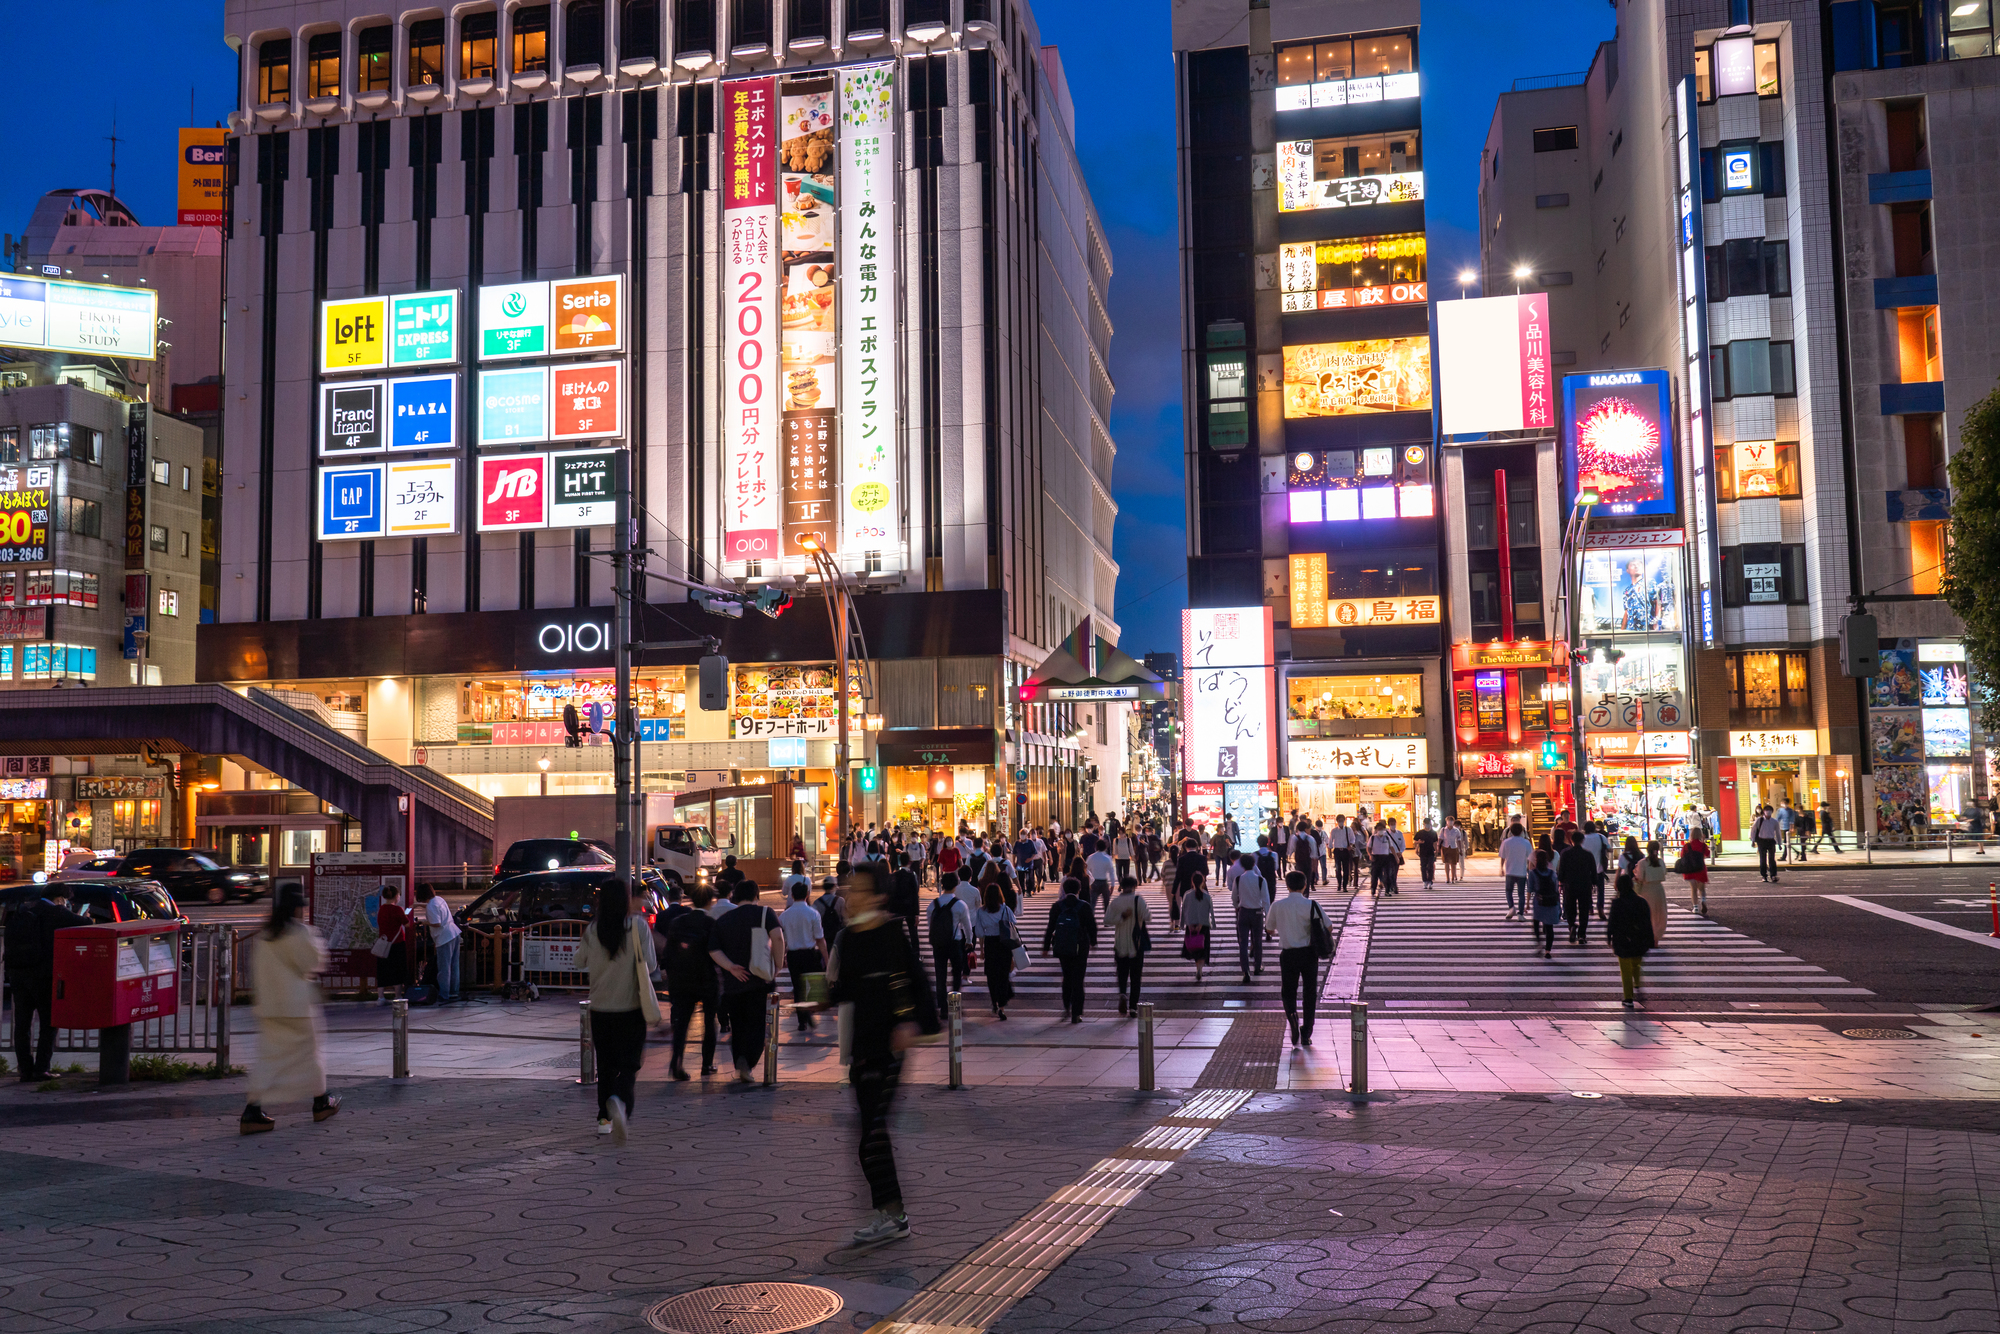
616, 949
949, 925
1692, 866
1576, 872
1127, 917
876, 979
1071, 934
691, 981
828, 906
905, 897
746, 946
1198, 917
1546, 897
1427, 853
1297, 919
1250, 896
1629, 929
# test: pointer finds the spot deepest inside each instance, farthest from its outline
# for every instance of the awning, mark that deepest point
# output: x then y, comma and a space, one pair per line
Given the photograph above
1085, 668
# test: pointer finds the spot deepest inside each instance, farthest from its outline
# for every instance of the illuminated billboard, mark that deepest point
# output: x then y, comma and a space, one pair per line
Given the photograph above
1634, 688
1618, 441
1227, 695
202, 194
1349, 379
1630, 591
1493, 365
89, 318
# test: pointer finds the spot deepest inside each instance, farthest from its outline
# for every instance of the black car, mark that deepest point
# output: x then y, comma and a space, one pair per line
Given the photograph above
191, 873
567, 894
102, 899
550, 854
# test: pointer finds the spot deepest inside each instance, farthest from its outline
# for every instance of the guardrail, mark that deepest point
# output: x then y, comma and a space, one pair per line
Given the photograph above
1954, 842
208, 985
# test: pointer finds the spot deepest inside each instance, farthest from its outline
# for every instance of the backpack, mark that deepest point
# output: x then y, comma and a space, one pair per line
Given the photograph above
944, 931
686, 963
1546, 893
1066, 936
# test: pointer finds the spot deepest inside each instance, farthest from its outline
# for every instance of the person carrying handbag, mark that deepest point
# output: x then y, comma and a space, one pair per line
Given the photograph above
748, 942
392, 944
1198, 916
1128, 917
1692, 866
616, 949
1302, 931
994, 927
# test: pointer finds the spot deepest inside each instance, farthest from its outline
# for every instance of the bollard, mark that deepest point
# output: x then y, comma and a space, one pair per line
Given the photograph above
771, 1031
1993, 894
1357, 1015
1145, 1046
1947, 847
586, 1055
955, 1009
1868, 846
399, 1028
223, 998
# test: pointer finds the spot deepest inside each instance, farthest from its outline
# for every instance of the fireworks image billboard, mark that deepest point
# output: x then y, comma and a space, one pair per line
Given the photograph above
1618, 433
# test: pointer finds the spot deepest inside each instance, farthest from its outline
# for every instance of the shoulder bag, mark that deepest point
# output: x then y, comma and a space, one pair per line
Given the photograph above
649, 1001
760, 949
1322, 934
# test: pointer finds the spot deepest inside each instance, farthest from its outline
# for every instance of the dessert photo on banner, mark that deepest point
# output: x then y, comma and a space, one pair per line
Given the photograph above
806, 203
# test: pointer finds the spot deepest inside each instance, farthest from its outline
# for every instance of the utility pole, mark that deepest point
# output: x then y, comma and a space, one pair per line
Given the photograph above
840, 740
624, 731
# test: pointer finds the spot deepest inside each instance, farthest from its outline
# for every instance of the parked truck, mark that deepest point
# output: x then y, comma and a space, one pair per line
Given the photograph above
682, 852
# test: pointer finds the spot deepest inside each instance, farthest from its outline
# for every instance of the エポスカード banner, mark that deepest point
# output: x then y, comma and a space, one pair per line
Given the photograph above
750, 257
869, 512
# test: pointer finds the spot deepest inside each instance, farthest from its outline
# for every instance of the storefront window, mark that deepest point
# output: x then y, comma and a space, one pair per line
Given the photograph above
1346, 71
497, 710
1389, 268
1316, 705
1769, 689
298, 845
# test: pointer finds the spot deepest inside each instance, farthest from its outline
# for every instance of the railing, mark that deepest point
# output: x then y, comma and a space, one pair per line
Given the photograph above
1955, 843
1537, 82
210, 978
539, 954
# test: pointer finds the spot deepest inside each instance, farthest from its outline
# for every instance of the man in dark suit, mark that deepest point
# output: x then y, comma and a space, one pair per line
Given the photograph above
31, 964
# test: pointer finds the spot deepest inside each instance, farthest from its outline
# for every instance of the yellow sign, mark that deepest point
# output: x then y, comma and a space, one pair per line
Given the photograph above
354, 335
1423, 610
1308, 591
202, 193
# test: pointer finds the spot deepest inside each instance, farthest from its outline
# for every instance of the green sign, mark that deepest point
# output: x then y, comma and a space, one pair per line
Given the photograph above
423, 329
514, 320
870, 777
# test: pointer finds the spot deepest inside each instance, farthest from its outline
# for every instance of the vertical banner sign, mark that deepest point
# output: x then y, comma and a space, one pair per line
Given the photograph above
1227, 695
869, 512
135, 487
137, 593
201, 199
1308, 587
1694, 335
750, 319
807, 200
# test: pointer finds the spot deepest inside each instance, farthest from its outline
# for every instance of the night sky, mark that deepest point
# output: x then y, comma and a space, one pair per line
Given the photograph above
141, 61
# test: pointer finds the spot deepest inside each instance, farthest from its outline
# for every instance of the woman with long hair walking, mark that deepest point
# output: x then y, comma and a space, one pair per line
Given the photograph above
1198, 916
1546, 895
1650, 875
617, 951
285, 958
1693, 867
994, 928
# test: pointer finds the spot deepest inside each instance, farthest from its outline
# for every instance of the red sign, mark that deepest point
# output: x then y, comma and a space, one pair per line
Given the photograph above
1538, 405
1494, 764
513, 492
587, 401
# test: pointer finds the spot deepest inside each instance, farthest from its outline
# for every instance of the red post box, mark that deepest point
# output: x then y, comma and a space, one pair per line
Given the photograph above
117, 973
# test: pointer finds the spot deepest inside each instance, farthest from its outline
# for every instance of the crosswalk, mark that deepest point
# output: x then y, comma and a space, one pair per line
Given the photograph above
1456, 942
1168, 981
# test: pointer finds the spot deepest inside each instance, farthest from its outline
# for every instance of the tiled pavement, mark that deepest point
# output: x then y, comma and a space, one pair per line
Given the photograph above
459, 1205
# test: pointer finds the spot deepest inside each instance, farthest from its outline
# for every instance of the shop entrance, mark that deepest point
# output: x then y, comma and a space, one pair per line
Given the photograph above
940, 817
1772, 783
1485, 812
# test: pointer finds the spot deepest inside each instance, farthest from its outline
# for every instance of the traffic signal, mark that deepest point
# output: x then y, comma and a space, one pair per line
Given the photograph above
572, 725
868, 777
1859, 653
772, 601
717, 604
1551, 753
714, 674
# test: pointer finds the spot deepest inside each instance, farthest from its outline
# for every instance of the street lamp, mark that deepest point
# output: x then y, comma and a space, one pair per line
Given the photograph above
1521, 274
838, 605
1466, 278
543, 765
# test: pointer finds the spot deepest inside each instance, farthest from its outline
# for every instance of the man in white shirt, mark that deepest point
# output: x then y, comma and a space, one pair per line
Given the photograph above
1291, 917
1103, 873
1251, 898
1765, 833
805, 946
444, 939
1342, 839
1516, 855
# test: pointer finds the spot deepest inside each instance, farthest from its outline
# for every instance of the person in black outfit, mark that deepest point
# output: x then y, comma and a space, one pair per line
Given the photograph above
1071, 935
904, 900
691, 979
31, 964
1190, 866
1576, 872
1630, 931
743, 992
874, 970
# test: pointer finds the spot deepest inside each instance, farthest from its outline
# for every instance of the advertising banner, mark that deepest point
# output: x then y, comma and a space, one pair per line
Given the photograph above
1635, 591
870, 513
1695, 405
136, 486
201, 194
583, 488
78, 317
354, 334
588, 314
421, 498
1346, 379
1636, 687
423, 412
750, 271
808, 202
514, 406
25, 498
350, 502
1362, 758
513, 492
587, 402
1309, 602
1423, 609
1775, 743
1493, 365
350, 417
1228, 695
1299, 191
1618, 441
810, 490
423, 329
514, 320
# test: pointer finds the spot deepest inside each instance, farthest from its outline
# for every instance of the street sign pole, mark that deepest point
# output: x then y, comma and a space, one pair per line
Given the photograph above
624, 742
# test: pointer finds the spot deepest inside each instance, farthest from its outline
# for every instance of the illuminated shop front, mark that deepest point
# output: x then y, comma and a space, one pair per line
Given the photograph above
1356, 744
1512, 716
939, 778
1929, 759
1642, 783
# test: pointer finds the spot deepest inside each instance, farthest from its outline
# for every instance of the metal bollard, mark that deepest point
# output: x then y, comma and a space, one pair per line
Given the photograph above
771, 1031
586, 1055
955, 1029
1357, 1015
1145, 1046
399, 1029
223, 998
1947, 847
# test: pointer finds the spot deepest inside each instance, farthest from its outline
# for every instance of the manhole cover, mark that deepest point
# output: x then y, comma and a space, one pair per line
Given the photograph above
1881, 1034
745, 1308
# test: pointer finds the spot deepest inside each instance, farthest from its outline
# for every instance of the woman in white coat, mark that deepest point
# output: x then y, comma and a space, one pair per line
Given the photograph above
284, 959
1651, 877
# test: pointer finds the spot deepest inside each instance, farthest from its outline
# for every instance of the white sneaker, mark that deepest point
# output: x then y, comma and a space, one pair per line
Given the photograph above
603, 1126
882, 1226
617, 1108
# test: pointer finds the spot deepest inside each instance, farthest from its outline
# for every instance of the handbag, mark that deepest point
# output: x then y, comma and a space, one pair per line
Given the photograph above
1322, 934
1194, 942
1142, 939
380, 949
1686, 863
649, 1002
760, 951
1020, 957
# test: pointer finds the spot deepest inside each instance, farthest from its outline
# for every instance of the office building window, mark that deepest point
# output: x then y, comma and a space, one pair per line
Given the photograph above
323, 65
694, 26
1756, 469
274, 70
1920, 356
376, 48
750, 22
529, 27
1560, 139
583, 33
478, 45
163, 473
1763, 574
1704, 78
639, 30
83, 518
426, 52
1769, 689
156, 537
1969, 29
1750, 366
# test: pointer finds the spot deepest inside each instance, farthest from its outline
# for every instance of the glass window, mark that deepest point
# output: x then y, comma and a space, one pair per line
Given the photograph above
1333, 60
1751, 469
1743, 264
583, 33
163, 472
274, 70
10, 444
1970, 29
1784, 382
371, 71
1778, 268
1762, 688
1389, 54
1767, 69
1295, 65
1927, 556
1704, 80
639, 31
478, 45
156, 537
426, 52
296, 846
1319, 705
1559, 139
530, 26
1749, 366
323, 65
1367, 155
